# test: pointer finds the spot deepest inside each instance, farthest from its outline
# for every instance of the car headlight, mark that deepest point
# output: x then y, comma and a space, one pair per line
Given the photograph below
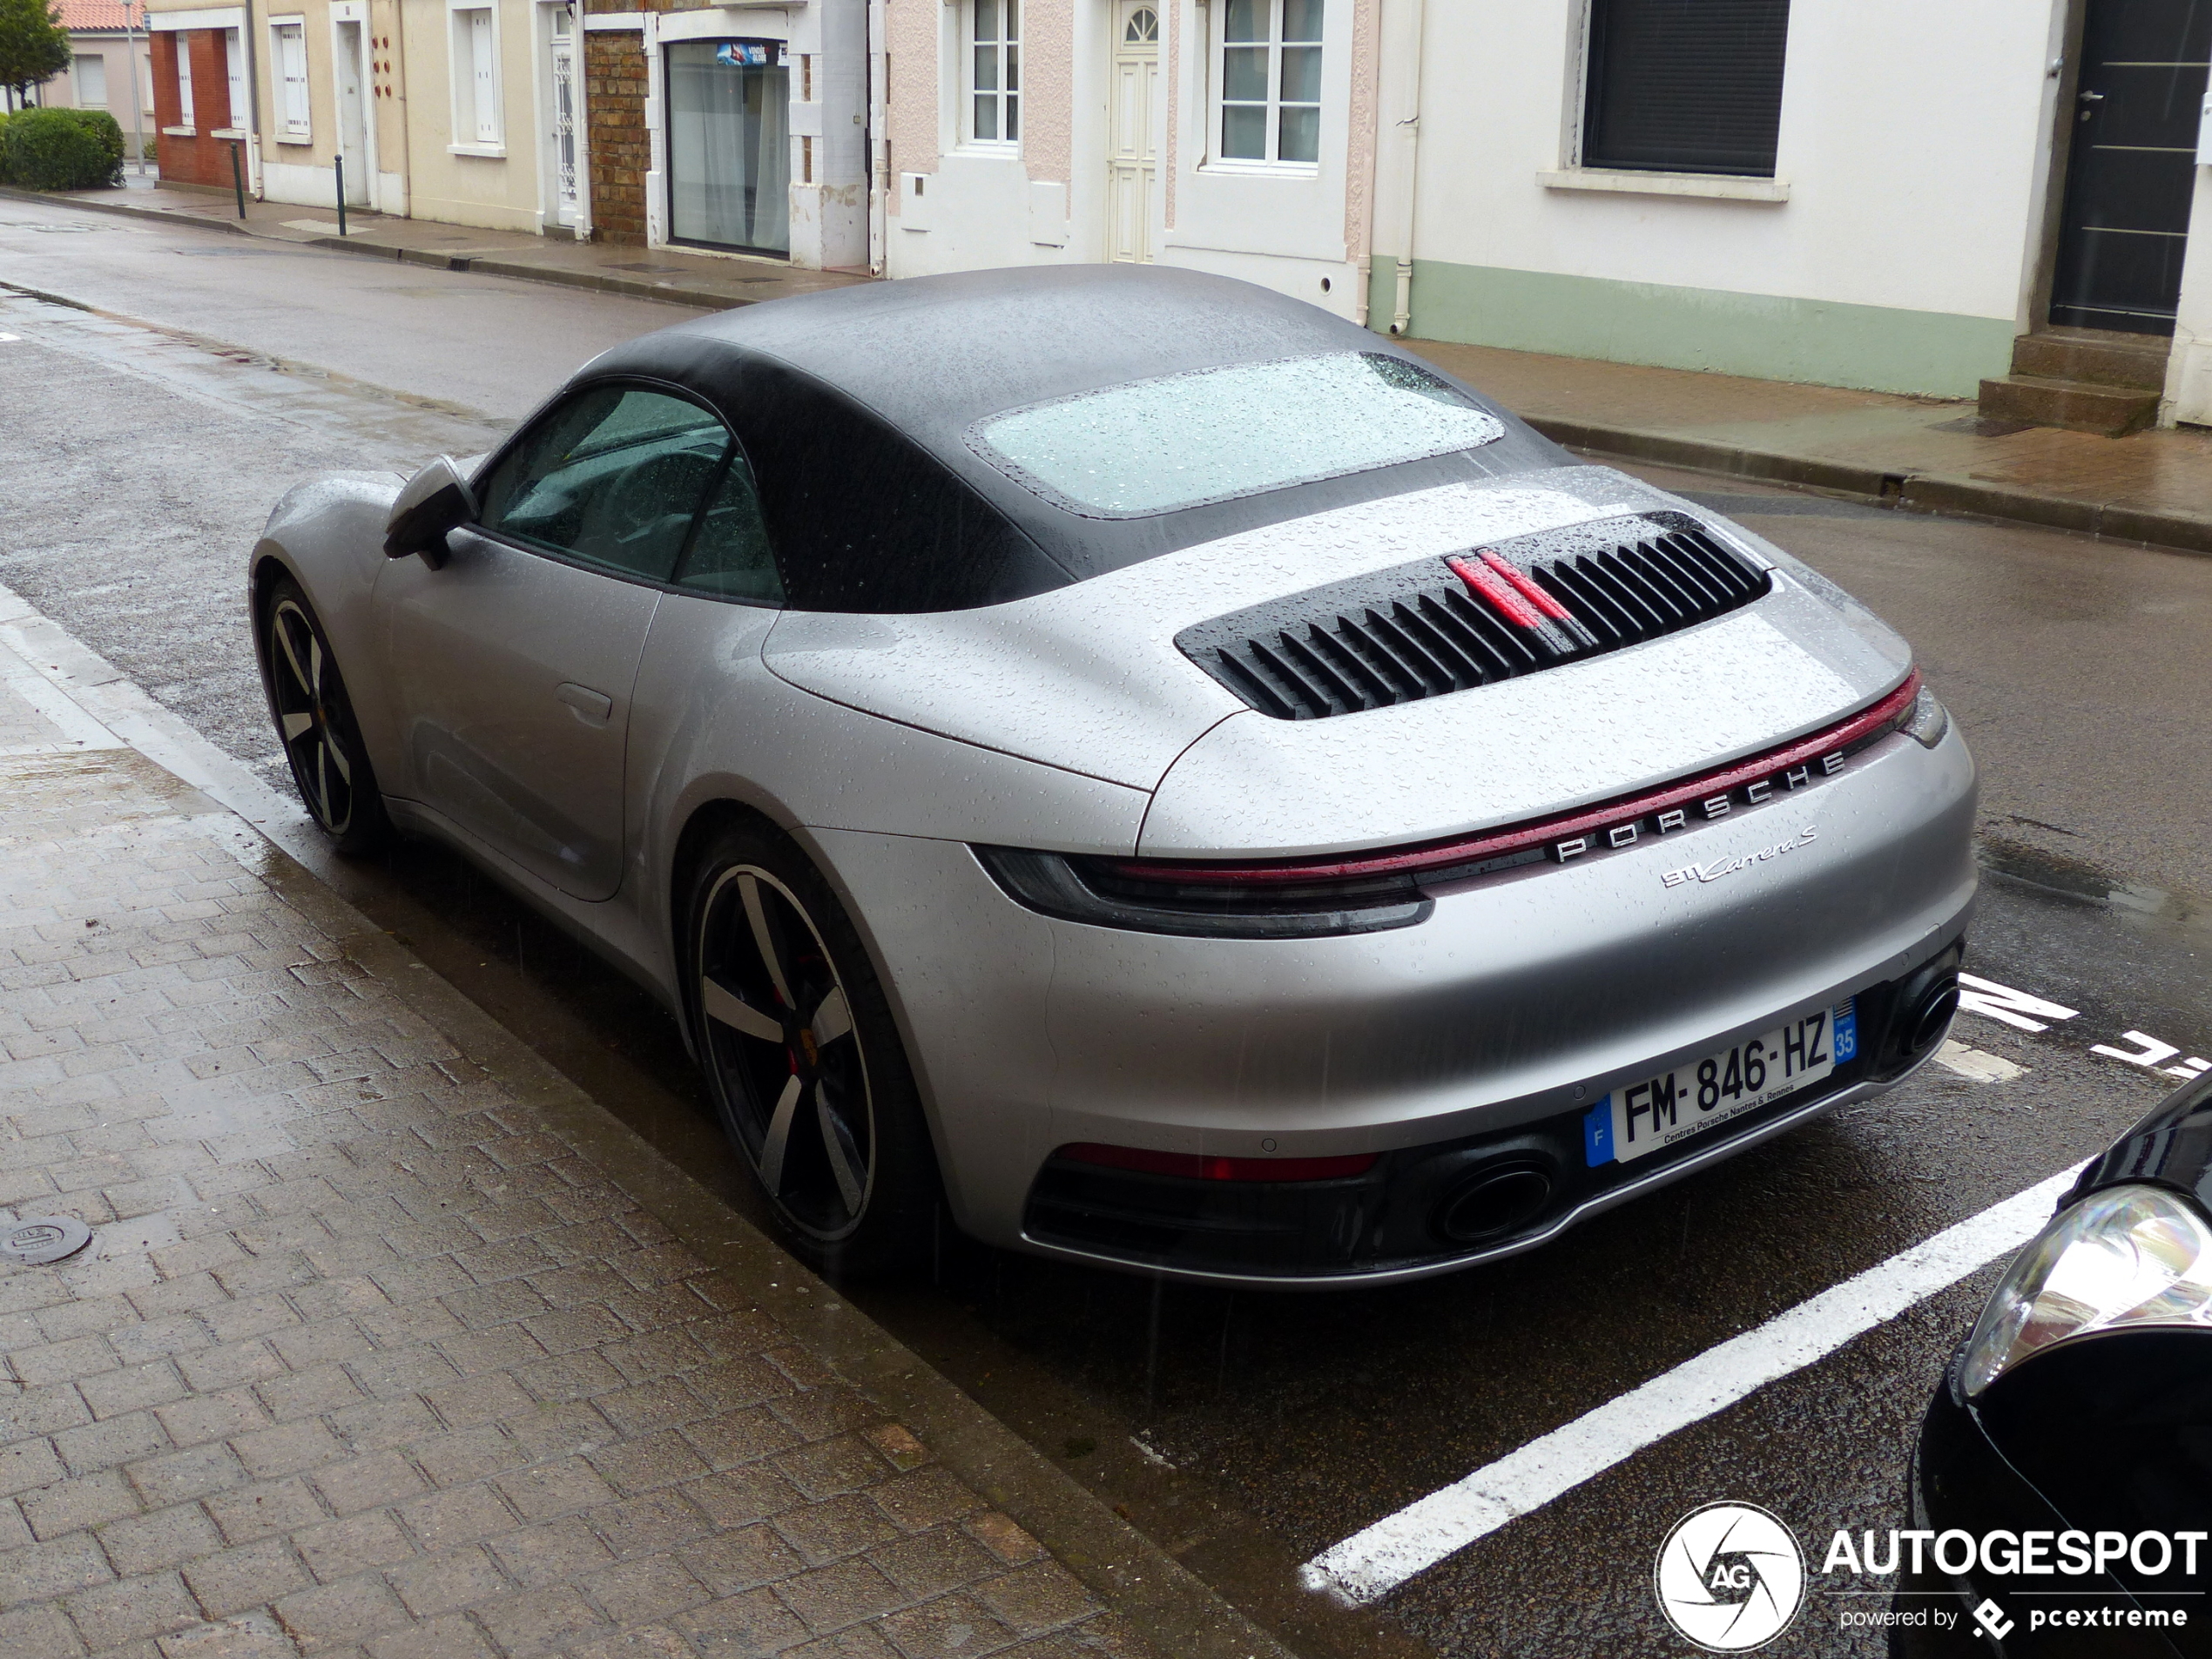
1929, 721
2123, 1257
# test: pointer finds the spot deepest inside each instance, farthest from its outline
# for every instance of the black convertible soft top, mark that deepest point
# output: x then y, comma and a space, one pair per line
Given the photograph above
857, 405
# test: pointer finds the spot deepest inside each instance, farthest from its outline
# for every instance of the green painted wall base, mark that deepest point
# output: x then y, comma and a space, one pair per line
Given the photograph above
1765, 336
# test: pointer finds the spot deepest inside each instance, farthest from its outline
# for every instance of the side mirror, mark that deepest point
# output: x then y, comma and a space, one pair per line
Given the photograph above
436, 500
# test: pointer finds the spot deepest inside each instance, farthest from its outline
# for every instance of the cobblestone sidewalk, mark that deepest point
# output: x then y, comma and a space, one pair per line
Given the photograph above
366, 1360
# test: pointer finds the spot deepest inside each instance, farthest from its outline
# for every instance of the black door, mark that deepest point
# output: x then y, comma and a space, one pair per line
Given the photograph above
2127, 186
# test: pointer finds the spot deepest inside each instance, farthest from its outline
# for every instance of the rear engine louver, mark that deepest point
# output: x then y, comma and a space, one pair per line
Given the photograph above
1490, 613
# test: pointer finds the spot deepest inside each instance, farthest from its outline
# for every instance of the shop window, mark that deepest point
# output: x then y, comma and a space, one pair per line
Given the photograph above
729, 145
92, 82
993, 63
1268, 77
1684, 85
475, 79
289, 42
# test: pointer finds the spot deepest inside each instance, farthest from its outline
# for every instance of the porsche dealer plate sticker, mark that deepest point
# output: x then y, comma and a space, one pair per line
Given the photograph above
1654, 1112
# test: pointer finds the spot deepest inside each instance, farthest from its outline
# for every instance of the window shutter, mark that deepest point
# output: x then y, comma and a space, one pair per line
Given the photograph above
291, 58
184, 78
234, 61
487, 91
1685, 85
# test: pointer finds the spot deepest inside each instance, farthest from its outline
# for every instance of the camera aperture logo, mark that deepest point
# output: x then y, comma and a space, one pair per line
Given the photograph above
1730, 1577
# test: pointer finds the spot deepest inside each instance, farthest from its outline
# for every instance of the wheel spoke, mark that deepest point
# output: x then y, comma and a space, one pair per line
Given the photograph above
291, 656
314, 666
772, 1149
832, 1020
296, 724
764, 940
337, 753
322, 779
723, 1005
840, 1160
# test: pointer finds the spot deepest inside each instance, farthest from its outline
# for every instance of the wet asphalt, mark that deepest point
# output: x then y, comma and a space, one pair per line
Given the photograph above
1244, 1432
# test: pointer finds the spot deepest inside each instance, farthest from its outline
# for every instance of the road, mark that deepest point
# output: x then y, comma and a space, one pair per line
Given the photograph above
147, 435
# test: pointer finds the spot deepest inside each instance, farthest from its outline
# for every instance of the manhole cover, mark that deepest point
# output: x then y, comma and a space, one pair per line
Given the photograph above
44, 1238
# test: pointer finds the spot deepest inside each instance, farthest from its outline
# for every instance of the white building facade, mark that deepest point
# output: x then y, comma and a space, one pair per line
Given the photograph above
1879, 194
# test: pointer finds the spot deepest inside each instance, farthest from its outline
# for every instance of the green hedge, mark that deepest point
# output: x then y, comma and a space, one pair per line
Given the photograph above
61, 149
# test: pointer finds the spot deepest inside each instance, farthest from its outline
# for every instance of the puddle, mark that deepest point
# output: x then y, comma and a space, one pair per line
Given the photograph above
2085, 883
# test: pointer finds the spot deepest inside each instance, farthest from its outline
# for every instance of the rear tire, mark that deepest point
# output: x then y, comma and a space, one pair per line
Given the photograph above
802, 1057
315, 724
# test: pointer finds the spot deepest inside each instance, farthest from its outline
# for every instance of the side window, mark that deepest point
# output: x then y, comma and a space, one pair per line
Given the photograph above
612, 477
730, 556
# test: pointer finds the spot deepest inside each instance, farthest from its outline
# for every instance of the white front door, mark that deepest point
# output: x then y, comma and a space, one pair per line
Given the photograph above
1132, 162
353, 112
562, 103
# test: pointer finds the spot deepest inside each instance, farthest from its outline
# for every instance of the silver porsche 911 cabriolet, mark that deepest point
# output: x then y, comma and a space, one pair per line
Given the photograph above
1146, 764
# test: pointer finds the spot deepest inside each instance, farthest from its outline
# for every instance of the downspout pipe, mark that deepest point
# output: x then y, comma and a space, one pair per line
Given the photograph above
878, 136
1406, 129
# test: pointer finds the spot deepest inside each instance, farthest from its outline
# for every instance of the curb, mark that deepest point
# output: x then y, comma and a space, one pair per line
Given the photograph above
2168, 529
1166, 1604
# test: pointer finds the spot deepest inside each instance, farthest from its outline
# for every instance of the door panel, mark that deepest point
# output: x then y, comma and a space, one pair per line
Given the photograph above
1132, 163
2124, 225
514, 674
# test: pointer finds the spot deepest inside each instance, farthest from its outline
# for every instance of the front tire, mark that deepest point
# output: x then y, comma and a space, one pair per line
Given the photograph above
314, 722
802, 1057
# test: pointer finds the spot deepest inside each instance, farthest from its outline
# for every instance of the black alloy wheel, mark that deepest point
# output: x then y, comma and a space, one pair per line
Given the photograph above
315, 721
802, 1058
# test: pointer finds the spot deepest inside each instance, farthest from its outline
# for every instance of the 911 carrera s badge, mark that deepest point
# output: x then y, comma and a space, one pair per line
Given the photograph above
1720, 868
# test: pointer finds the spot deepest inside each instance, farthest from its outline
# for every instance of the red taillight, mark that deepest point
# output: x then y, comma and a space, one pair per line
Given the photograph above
1198, 1166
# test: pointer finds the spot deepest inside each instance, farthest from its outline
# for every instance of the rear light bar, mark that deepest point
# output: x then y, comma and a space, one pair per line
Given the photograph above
1791, 762
1197, 1166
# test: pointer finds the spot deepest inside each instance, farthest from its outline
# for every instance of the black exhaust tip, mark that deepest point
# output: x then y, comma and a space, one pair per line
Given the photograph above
1501, 1198
1930, 1016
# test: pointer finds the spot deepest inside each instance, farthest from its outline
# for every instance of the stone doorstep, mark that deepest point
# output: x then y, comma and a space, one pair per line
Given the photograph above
919, 1428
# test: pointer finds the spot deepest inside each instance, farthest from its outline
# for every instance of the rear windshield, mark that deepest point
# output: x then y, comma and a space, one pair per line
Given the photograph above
1215, 434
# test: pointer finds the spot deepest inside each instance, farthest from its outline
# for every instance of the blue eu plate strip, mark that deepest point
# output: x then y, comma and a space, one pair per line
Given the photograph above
1597, 1133
1845, 1022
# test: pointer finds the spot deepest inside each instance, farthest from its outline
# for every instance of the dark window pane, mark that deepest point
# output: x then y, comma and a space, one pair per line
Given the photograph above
1685, 85
611, 477
1301, 79
1243, 133
730, 555
1301, 135
1243, 73
1301, 20
1247, 20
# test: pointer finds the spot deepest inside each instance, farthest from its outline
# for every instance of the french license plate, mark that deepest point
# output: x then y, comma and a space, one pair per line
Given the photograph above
1654, 1112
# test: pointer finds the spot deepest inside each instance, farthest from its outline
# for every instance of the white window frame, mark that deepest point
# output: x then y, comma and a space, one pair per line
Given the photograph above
476, 95
1007, 43
234, 62
77, 63
288, 38
1217, 105
187, 118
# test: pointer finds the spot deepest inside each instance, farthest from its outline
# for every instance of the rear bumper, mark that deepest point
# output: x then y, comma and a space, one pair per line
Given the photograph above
1515, 1005
1387, 1225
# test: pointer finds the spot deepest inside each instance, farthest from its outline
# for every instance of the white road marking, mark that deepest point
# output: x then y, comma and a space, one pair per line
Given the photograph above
1987, 996
1372, 1563
1982, 1067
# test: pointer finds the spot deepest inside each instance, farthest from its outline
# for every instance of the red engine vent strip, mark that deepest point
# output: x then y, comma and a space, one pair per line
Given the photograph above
1891, 713
1511, 593
1197, 1166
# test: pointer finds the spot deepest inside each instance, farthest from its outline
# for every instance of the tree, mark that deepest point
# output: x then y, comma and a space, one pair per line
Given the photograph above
34, 47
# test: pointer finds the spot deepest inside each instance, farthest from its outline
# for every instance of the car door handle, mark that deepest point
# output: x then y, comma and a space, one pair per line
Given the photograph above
593, 708
2091, 97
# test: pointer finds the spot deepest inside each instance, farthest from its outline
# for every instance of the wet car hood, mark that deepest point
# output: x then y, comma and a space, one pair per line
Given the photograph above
2171, 1148
1089, 678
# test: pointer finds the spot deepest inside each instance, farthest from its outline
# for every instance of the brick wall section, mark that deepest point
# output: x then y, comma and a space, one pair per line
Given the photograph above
365, 1363
621, 149
201, 159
